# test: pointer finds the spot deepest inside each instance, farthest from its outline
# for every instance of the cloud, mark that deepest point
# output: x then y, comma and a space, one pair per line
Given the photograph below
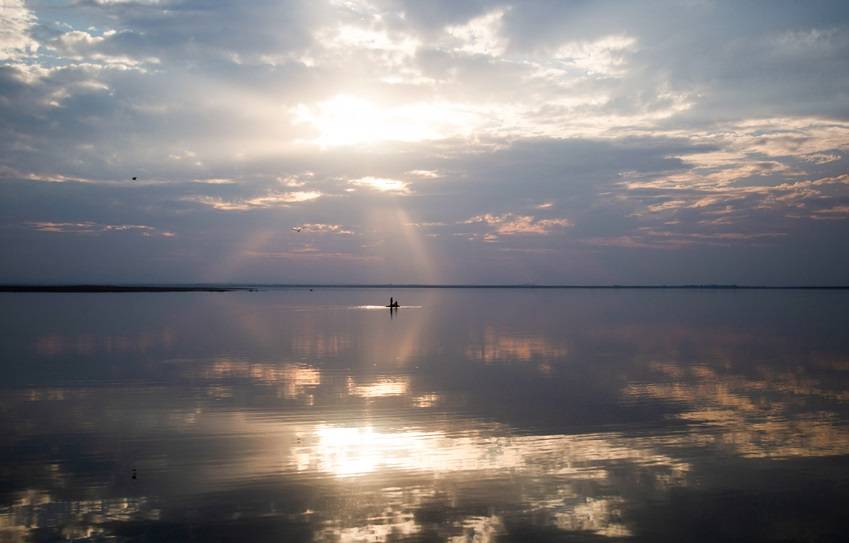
351, 120
327, 229
89, 227
703, 127
605, 56
81, 46
347, 37
821, 158
381, 184
481, 35
424, 174
280, 199
16, 22
510, 224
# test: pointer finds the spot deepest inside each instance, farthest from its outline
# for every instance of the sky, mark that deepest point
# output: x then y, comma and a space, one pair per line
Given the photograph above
549, 142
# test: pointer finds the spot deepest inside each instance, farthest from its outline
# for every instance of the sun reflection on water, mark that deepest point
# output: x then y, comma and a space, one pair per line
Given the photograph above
345, 451
384, 386
362, 427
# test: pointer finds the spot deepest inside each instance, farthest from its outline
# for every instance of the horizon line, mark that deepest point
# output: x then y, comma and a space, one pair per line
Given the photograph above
226, 287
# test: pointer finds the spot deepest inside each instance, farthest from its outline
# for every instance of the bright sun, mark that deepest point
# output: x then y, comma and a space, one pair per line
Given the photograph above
350, 120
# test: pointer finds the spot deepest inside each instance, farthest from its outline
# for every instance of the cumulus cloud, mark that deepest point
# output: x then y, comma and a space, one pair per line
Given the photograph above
16, 21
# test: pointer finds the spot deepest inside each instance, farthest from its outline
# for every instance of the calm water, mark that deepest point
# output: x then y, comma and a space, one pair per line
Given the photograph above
476, 415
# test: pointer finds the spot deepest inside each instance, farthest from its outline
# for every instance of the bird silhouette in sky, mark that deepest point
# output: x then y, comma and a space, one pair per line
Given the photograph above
134, 178
297, 228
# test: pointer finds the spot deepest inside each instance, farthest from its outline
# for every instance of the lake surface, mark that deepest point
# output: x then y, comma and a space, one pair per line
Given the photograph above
475, 415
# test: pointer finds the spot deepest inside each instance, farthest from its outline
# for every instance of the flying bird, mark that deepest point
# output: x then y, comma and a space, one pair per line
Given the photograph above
134, 178
297, 228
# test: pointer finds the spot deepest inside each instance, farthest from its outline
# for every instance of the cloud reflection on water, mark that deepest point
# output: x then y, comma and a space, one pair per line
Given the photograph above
504, 347
774, 416
354, 426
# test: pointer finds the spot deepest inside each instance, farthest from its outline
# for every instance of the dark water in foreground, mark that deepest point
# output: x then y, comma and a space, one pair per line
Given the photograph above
480, 415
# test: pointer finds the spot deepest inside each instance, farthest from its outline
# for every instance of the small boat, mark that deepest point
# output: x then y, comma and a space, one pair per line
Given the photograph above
392, 306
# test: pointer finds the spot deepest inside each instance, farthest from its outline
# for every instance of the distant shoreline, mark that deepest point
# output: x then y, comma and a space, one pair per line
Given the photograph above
113, 288
71, 288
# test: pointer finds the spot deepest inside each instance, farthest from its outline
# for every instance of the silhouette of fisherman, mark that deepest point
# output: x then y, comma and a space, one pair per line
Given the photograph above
393, 302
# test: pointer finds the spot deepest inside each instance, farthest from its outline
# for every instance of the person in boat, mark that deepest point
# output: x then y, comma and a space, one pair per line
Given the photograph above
392, 302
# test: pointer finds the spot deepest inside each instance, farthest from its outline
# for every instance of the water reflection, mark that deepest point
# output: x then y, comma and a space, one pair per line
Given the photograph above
74, 520
383, 386
505, 347
89, 344
776, 415
612, 415
293, 380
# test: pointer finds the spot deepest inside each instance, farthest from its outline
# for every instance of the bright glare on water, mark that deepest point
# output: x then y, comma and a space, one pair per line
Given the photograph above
466, 415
